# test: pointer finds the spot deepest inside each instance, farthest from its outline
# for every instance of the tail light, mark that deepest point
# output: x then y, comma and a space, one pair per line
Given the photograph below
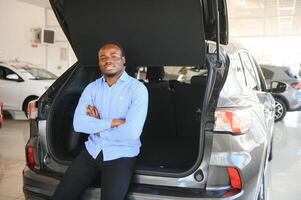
234, 178
296, 85
235, 182
235, 121
30, 157
32, 110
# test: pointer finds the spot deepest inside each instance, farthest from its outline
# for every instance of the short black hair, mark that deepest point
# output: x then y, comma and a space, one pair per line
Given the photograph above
116, 44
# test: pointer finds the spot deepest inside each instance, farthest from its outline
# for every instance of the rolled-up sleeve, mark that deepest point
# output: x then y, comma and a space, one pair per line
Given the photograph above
82, 122
135, 118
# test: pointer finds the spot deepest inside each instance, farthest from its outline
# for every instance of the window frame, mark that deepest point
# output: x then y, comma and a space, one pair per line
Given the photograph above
259, 86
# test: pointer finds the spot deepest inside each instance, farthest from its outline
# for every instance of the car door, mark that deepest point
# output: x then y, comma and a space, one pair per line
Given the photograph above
266, 102
9, 89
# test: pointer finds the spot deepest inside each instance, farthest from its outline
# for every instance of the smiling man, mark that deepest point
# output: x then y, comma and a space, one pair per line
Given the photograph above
112, 110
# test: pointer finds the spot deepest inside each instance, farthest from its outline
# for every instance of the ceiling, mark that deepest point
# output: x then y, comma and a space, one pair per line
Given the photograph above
41, 3
253, 18
264, 17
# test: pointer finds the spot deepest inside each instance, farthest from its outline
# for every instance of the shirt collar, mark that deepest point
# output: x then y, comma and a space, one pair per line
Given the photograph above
124, 77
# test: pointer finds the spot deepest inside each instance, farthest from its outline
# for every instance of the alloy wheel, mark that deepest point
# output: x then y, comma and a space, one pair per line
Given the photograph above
279, 110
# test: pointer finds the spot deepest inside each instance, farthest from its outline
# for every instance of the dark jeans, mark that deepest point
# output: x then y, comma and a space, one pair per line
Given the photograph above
115, 177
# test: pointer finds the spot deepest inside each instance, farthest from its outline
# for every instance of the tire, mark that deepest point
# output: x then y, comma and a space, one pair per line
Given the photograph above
26, 102
280, 109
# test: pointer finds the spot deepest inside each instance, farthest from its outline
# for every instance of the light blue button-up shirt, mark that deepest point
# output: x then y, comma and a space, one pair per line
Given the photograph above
126, 99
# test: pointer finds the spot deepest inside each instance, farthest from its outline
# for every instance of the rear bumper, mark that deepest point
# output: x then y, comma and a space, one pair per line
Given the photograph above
37, 187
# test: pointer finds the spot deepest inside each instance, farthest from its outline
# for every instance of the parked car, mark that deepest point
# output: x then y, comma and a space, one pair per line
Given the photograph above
21, 83
1, 114
208, 131
290, 100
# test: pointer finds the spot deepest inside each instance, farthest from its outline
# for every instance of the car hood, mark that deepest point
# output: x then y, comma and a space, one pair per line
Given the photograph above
158, 32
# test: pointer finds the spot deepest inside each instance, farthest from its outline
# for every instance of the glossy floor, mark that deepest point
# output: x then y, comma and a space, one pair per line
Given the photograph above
285, 168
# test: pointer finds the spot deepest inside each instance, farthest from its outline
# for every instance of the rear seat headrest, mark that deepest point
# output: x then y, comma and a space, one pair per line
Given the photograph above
132, 71
199, 79
155, 73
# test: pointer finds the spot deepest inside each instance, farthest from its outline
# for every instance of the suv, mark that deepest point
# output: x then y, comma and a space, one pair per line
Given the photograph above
210, 118
290, 100
21, 83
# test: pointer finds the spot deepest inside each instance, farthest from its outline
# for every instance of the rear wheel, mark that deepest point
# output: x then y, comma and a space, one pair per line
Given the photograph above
280, 109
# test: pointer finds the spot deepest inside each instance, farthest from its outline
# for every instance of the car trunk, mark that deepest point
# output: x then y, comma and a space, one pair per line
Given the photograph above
153, 33
171, 134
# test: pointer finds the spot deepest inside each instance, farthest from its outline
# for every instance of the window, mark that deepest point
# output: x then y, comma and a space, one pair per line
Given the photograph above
239, 70
250, 73
292, 74
184, 74
4, 72
268, 74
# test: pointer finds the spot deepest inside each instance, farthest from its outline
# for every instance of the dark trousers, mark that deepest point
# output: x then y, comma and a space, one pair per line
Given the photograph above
115, 177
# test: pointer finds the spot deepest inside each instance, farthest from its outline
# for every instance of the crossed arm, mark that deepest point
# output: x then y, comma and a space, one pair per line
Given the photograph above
93, 112
112, 129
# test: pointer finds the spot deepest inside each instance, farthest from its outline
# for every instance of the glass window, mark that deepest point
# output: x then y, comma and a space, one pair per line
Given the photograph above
8, 71
239, 71
37, 74
292, 74
2, 73
268, 74
184, 74
250, 73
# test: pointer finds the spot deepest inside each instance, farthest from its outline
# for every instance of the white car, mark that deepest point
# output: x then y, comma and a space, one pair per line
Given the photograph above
21, 83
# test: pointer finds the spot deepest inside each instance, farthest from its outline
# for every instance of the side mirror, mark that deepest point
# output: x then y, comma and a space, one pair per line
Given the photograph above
14, 77
277, 87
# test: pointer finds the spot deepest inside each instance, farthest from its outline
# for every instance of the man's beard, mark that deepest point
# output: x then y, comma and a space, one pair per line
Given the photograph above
111, 75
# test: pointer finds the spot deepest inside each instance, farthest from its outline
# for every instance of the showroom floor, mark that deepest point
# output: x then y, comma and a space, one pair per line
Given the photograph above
285, 169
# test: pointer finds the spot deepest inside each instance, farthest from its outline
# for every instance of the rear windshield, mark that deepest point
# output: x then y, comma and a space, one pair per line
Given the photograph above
159, 73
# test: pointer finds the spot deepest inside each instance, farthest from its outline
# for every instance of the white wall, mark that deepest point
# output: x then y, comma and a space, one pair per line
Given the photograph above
16, 20
282, 51
59, 56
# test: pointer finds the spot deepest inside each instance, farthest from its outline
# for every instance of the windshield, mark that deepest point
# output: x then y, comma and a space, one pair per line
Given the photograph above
38, 74
292, 74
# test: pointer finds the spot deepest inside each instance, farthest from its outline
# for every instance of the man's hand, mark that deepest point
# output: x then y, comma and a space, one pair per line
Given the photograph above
92, 111
117, 122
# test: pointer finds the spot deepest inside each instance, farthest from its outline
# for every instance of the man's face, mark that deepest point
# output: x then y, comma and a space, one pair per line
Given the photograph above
111, 60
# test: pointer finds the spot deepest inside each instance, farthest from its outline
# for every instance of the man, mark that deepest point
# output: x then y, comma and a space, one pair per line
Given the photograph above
112, 110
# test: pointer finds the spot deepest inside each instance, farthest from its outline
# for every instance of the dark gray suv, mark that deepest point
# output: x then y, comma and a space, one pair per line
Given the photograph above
210, 117
290, 100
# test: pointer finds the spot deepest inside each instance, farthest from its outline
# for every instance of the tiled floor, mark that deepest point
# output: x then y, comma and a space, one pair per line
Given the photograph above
13, 137
285, 169
286, 164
